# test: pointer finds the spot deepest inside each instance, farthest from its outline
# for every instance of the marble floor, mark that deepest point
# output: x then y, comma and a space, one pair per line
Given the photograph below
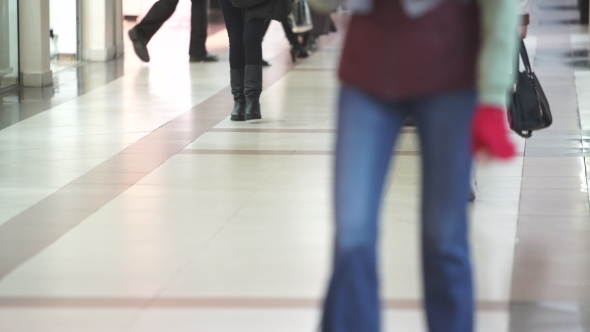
130, 202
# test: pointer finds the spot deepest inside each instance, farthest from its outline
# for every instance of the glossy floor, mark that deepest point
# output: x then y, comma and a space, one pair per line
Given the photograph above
136, 205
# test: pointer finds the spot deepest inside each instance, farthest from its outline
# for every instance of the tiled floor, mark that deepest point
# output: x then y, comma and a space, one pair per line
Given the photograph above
134, 204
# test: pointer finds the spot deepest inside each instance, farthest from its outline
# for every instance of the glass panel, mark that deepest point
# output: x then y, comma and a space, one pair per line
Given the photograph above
8, 43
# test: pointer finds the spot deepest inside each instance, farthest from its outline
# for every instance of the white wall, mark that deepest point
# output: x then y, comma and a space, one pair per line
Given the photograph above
132, 7
63, 23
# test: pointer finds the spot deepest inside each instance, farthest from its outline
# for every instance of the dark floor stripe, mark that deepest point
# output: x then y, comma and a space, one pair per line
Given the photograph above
31, 231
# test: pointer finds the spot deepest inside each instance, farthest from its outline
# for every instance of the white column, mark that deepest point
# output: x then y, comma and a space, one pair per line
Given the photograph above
34, 43
119, 44
4, 38
100, 33
132, 7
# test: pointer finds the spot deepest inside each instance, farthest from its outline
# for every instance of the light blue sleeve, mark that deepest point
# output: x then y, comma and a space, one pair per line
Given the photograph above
497, 58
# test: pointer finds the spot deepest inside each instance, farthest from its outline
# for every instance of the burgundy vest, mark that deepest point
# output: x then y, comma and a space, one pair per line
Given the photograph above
394, 57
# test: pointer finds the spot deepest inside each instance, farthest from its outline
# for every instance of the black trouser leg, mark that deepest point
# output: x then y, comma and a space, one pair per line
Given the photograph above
291, 36
234, 22
253, 34
245, 38
199, 23
156, 16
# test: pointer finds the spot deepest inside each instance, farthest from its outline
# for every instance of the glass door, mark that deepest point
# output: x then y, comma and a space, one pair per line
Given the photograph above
8, 43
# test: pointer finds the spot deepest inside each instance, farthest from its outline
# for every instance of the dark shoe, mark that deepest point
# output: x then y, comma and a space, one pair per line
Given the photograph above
252, 90
303, 53
265, 63
237, 90
139, 45
294, 53
204, 58
298, 52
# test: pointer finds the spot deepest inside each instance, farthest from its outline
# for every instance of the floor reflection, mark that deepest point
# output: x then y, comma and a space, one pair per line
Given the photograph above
68, 83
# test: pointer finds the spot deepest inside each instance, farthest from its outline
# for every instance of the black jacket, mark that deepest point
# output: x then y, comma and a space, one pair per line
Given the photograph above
277, 10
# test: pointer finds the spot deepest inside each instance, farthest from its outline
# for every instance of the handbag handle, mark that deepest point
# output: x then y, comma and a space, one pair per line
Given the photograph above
525, 57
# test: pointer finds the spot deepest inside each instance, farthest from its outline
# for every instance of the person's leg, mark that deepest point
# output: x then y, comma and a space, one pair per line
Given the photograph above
141, 34
297, 50
199, 23
367, 129
253, 34
234, 22
444, 124
155, 18
266, 25
291, 36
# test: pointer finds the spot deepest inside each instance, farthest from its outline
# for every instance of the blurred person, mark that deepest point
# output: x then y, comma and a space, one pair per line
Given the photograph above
447, 63
245, 30
160, 12
297, 51
322, 25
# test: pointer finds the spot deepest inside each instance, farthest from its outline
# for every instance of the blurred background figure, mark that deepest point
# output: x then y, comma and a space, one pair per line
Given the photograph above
448, 64
298, 51
303, 43
159, 14
322, 25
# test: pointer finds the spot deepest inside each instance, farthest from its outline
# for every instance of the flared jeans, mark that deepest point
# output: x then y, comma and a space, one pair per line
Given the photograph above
367, 130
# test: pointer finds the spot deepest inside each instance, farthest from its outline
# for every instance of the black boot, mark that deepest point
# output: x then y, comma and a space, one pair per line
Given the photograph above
139, 44
237, 89
252, 90
298, 52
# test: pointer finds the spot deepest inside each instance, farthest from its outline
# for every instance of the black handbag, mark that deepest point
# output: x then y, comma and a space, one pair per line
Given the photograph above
529, 109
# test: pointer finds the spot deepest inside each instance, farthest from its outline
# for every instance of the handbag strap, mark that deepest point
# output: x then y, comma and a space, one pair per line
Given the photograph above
525, 57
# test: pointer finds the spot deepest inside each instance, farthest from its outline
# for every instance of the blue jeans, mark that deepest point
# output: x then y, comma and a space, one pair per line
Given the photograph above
367, 129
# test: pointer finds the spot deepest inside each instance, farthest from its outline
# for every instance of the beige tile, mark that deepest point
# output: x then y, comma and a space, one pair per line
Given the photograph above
66, 319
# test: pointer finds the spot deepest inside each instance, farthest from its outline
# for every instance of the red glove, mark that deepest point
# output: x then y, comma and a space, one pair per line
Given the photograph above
490, 132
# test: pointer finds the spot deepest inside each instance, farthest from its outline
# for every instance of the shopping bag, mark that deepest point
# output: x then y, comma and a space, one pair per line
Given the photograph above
300, 18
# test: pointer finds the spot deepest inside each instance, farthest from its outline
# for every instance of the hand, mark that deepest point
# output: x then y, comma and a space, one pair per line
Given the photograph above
490, 133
